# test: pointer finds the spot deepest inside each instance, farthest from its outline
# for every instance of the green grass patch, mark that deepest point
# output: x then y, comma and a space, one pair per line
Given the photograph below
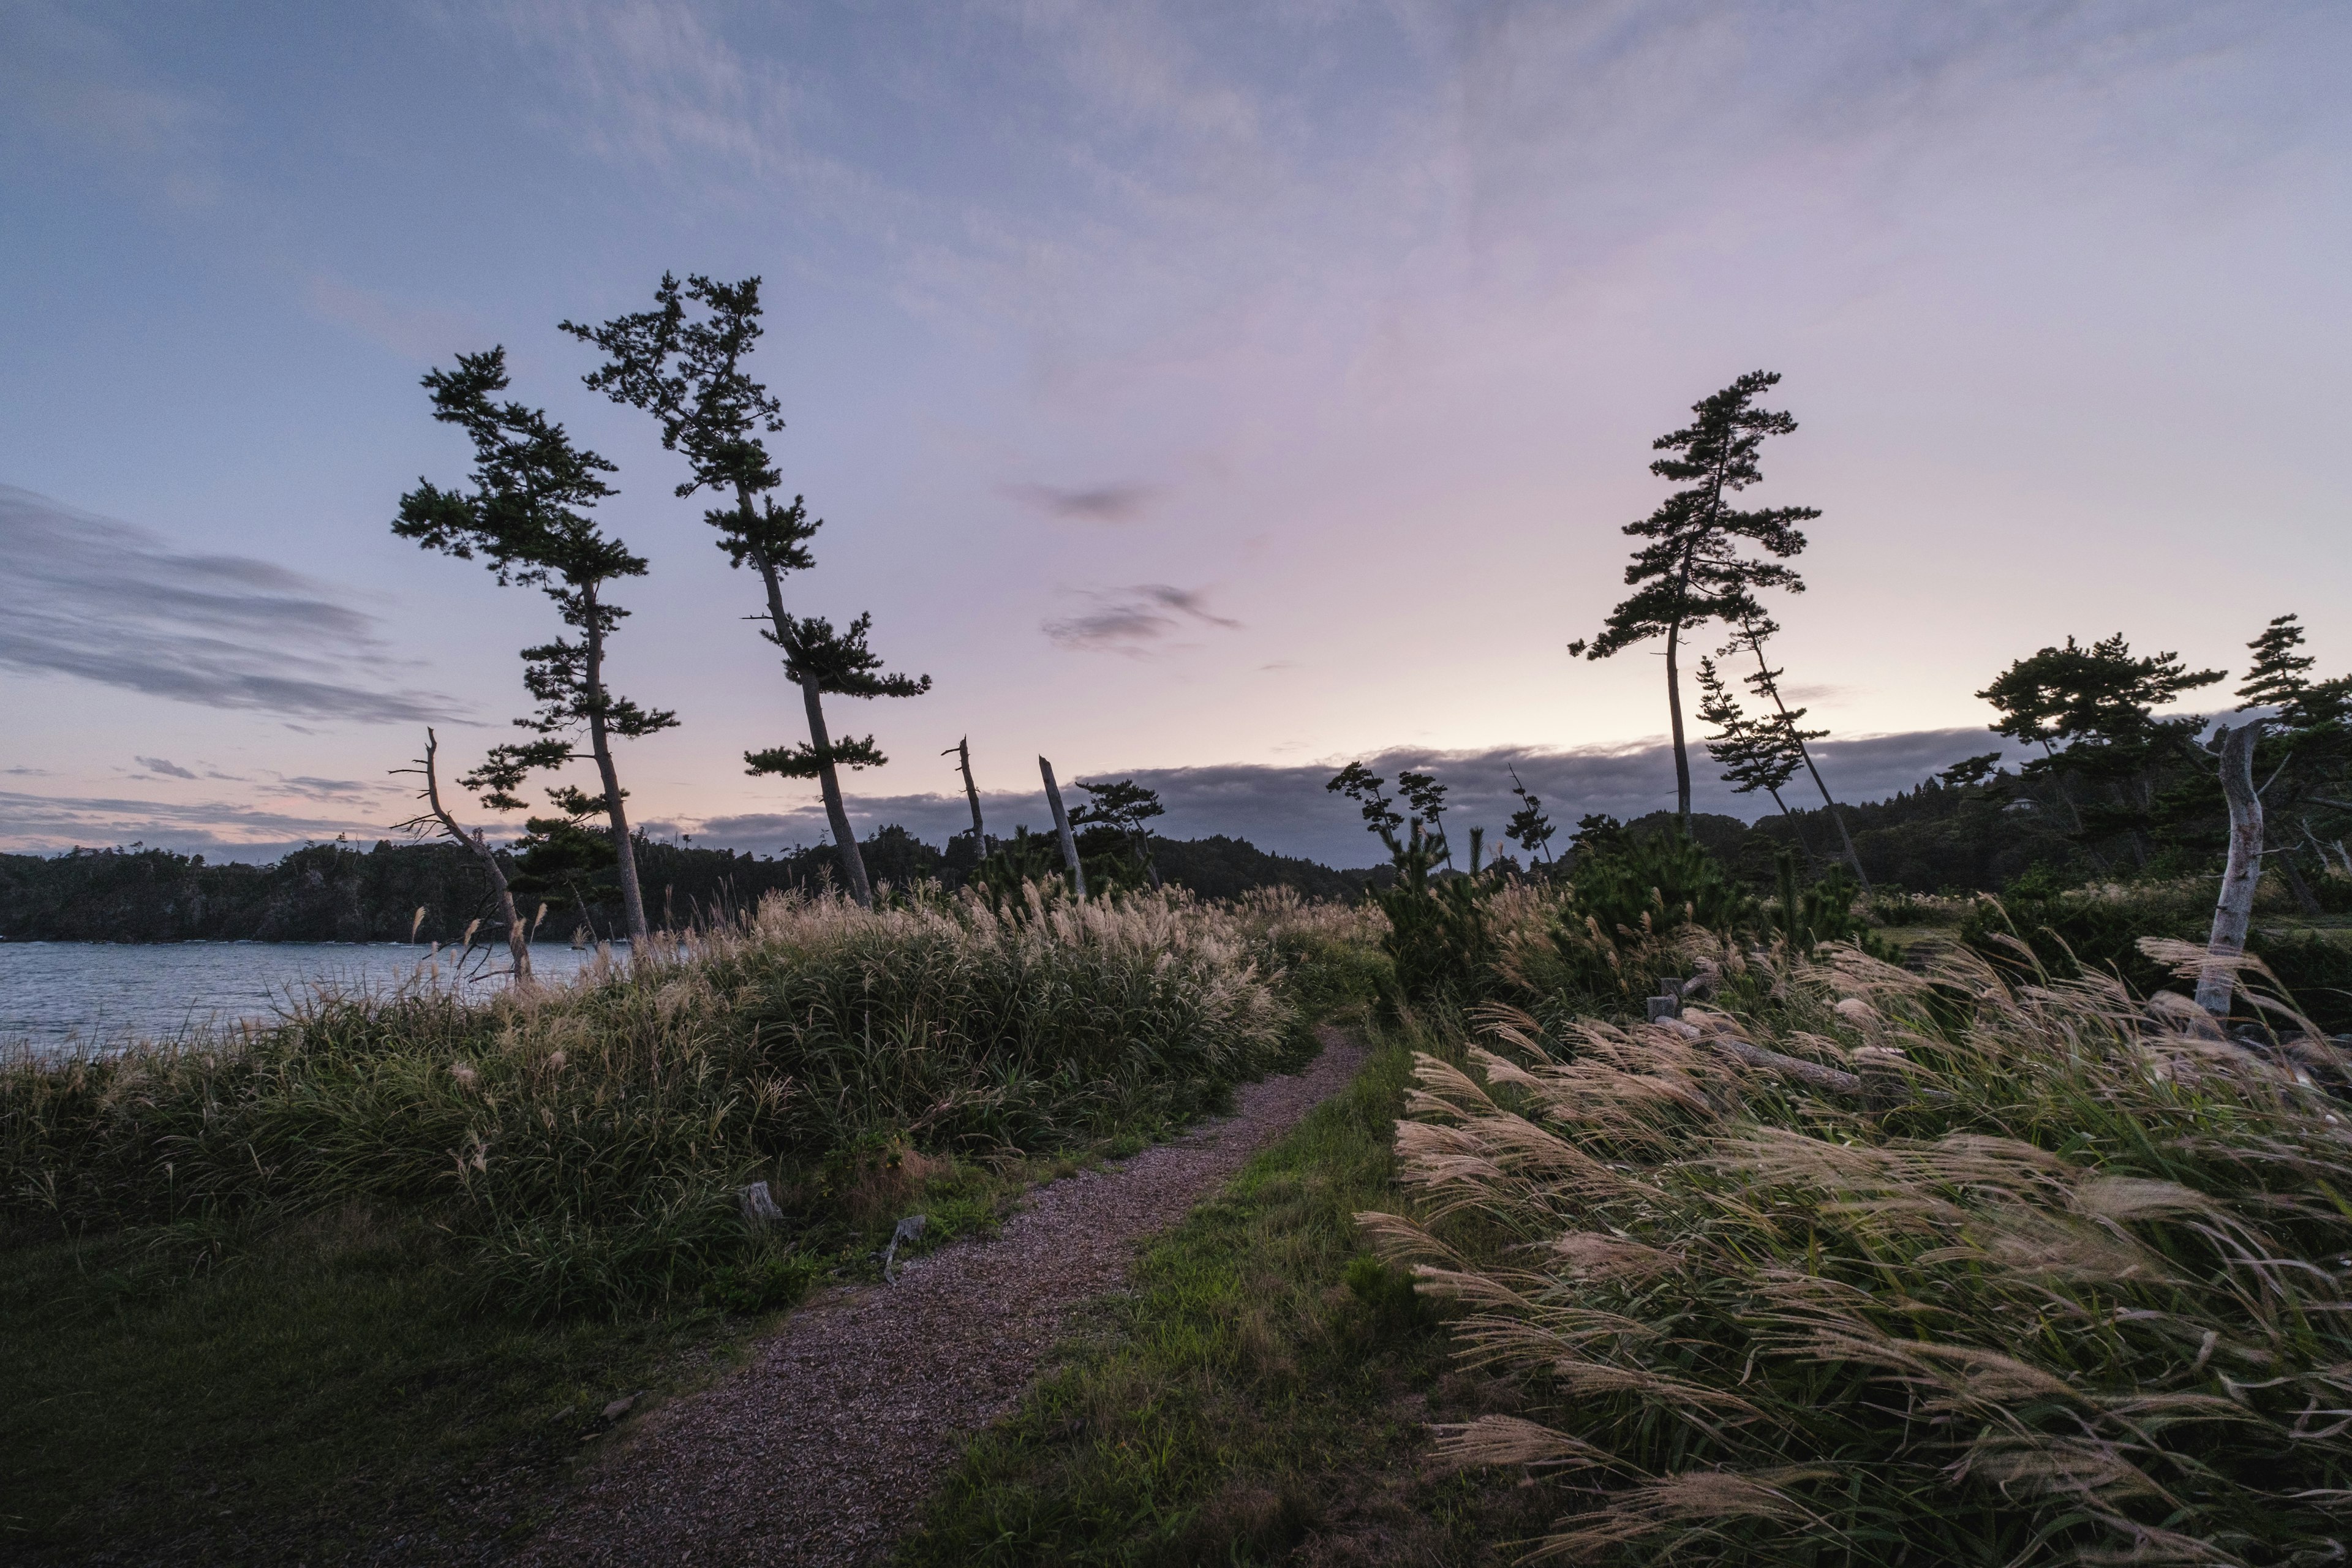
291, 1397
1263, 1394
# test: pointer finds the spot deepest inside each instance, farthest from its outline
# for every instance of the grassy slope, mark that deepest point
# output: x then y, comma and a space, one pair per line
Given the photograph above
1261, 1396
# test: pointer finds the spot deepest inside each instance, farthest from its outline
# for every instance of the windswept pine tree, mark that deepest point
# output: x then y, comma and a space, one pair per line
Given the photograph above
528, 516
1765, 681
2306, 755
1529, 829
686, 369
1127, 808
1691, 571
2093, 713
1754, 754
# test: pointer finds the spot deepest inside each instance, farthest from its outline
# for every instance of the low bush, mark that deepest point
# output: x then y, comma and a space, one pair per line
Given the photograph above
1969, 1273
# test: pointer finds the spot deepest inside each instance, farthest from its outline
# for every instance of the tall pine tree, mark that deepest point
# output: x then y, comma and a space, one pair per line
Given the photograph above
686, 368
1691, 570
528, 515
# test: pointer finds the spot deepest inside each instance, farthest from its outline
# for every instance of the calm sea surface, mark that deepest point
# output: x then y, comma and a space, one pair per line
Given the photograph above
64, 995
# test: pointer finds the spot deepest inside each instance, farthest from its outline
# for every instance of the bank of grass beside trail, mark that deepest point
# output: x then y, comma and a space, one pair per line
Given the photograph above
2015, 1272
376, 1272
1261, 1394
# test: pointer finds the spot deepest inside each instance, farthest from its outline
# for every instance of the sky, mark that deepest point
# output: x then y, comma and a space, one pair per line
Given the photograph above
1205, 393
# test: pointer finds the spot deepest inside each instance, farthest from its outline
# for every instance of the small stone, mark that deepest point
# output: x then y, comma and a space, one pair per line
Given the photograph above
620, 1407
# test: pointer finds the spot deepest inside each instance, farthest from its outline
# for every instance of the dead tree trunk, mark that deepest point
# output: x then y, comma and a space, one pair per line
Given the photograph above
518, 939
962, 750
2235, 910
1062, 827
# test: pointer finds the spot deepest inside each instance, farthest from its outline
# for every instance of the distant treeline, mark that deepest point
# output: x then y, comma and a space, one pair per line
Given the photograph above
339, 892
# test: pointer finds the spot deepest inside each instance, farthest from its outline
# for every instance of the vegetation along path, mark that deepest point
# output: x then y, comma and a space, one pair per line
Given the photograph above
822, 1450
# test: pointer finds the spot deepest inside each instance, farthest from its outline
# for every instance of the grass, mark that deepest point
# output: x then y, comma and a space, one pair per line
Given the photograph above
1260, 1396
279, 1298
2061, 1277
294, 1399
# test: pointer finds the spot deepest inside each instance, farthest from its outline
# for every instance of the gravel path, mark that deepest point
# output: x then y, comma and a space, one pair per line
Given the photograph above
824, 1449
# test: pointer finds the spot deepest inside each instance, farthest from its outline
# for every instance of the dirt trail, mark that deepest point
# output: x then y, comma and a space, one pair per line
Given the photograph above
824, 1448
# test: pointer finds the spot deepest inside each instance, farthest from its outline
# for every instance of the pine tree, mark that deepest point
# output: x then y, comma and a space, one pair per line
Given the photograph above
528, 516
1765, 681
1427, 798
687, 370
1366, 789
1691, 571
1529, 829
2098, 704
1754, 754
1126, 807
2278, 678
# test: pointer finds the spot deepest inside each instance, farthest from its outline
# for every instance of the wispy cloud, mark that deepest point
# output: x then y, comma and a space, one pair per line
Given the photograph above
651, 82
108, 602
36, 824
1131, 620
163, 766
74, 88
419, 332
1093, 503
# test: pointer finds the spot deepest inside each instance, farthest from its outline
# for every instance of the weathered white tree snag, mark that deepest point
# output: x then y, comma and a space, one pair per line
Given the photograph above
962, 748
2235, 910
518, 939
1062, 827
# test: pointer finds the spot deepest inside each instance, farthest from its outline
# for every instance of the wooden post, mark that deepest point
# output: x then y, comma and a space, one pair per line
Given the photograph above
2235, 910
962, 748
1062, 827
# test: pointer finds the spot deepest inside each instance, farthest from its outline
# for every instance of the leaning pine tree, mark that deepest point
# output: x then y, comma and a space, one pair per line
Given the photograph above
528, 517
1691, 571
688, 372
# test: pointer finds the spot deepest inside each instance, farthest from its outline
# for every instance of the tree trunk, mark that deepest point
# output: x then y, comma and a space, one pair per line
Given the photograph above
1756, 646
2235, 910
837, 815
633, 898
518, 939
971, 794
1062, 827
1675, 713
852, 861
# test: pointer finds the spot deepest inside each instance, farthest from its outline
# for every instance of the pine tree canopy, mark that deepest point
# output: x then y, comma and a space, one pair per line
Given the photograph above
1691, 570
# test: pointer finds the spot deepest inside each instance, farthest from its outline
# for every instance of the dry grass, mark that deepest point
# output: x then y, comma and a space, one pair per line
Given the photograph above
589, 1138
2064, 1281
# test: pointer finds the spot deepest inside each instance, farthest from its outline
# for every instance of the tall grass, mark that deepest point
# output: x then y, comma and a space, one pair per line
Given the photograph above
589, 1139
2054, 1276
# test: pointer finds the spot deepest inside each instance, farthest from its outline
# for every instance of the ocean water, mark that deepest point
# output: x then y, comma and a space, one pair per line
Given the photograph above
94, 995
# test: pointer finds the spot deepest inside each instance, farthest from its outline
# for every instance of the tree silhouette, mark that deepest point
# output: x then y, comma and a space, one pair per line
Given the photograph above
1125, 806
2098, 703
1691, 570
687, 370
1529, 829
1365, 787
528, 515
1765, 681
